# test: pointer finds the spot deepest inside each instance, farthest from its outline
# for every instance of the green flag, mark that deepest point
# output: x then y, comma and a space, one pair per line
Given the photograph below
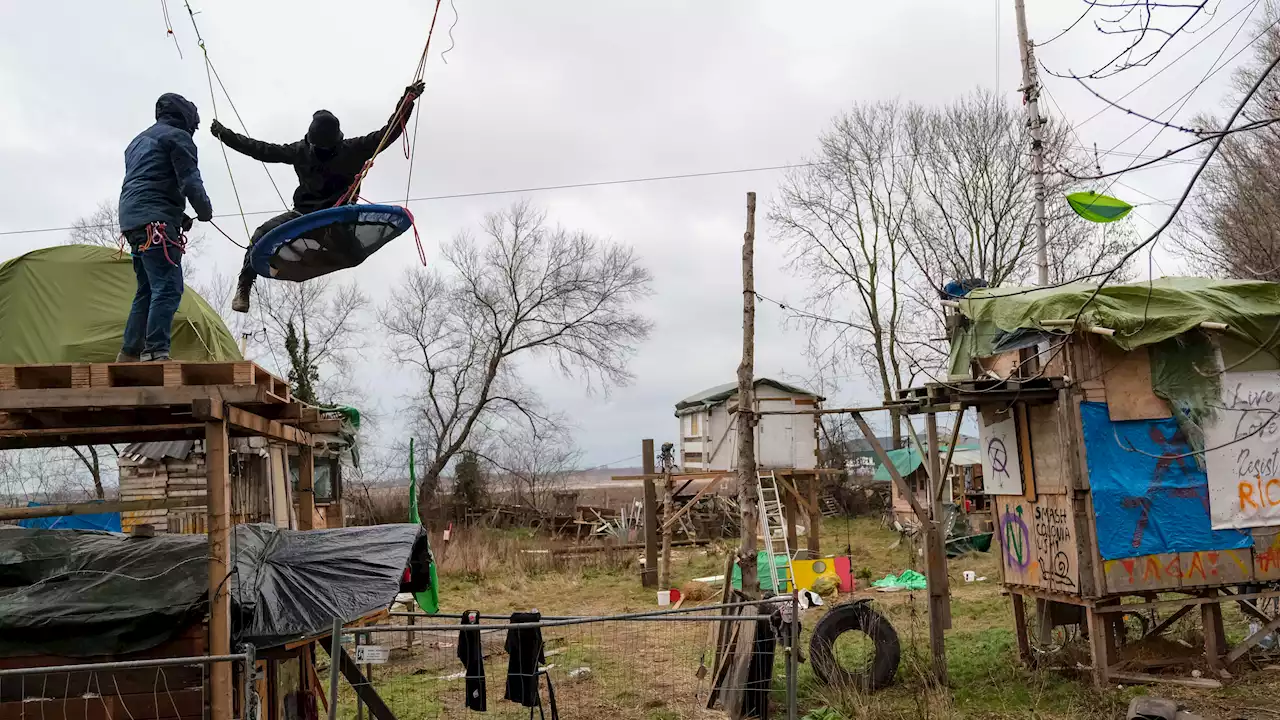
1098, 208
429, 599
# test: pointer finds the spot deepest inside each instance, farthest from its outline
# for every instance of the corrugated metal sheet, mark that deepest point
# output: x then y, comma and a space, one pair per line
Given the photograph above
177, 449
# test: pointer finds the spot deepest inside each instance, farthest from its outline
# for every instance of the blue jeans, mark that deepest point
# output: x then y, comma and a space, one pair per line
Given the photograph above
148, 331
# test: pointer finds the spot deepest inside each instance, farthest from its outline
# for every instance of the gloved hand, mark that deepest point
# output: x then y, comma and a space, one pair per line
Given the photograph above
216, 128
186, 222
205, 218
415, 90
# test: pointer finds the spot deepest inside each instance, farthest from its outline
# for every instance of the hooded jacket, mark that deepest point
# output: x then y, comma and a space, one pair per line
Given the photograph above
160, 170
324, 175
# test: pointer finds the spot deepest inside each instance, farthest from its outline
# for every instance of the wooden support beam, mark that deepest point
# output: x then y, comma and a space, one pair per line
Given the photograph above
306, 488
81, 436
118, 397
1020, 627
649, 578
237, 418
921, 514
365, 691
951, 449
217, 462
689, 505
1133, 677
1244, 646
814, 536
1185, 601
1168, 622
938, 613
1215, 638
1099, 642
93, 508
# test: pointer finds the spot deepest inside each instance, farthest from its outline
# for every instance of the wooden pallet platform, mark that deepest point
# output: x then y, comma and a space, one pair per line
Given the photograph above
128, 375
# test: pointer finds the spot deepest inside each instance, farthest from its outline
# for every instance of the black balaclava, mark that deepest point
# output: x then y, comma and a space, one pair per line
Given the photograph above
324, 134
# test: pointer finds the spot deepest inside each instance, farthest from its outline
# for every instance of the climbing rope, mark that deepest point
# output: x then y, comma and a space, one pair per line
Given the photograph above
354, 190
210, 73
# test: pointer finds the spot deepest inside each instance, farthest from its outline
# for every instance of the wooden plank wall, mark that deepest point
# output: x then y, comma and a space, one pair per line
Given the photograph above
147, 479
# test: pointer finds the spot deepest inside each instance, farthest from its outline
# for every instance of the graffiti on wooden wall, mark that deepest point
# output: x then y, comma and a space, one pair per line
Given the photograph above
1038, 543
1179, 570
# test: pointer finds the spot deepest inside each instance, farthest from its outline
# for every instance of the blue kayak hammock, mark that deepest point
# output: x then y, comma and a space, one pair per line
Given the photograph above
328, 240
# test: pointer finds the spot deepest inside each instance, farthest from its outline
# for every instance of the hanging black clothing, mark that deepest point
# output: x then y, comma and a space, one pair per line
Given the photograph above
524, 646
471, 654
755, 701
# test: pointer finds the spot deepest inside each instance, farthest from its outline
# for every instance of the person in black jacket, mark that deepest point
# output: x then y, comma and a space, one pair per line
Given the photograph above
160, 176
326, 165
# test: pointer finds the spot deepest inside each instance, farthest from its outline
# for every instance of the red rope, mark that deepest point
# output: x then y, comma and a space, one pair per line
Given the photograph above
422, 254
157, 234
422, 66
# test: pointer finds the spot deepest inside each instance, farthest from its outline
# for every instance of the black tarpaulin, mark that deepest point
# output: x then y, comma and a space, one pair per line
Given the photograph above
79, 593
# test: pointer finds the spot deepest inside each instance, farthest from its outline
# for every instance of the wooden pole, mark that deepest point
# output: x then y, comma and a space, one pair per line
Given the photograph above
668, 509
219, 493
306, 488
815, 517
939, 582
93, 508
650, 576
746, 464
933, 540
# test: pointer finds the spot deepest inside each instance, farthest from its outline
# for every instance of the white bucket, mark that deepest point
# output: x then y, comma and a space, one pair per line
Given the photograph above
664, 597
970, 576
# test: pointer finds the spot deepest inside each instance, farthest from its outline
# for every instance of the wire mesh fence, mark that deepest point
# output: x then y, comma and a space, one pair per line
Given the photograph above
155, 689
663, 665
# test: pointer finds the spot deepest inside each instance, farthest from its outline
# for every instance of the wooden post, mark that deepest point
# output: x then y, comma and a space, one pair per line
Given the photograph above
219, 493
746, 464
1214, 636
935, 554
936, 550
668, 510
650, 576
1099, 640
1020, 627
306, 488
814, 512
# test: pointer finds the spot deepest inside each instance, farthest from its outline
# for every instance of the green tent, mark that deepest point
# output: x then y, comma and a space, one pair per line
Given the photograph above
69, 303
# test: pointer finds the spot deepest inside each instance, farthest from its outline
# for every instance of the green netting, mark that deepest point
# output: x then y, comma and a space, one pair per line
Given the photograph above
69, 303
1140, 313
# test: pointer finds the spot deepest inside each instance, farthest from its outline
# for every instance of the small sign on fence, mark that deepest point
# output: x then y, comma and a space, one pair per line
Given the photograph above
372, 654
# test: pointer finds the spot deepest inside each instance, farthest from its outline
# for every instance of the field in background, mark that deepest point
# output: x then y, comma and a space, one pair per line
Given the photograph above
635, 669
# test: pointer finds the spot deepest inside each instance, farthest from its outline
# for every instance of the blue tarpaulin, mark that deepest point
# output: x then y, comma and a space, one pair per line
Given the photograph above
109, 522
1147, 500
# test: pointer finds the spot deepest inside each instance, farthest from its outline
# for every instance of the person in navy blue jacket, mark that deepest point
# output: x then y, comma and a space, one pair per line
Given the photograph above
161, 176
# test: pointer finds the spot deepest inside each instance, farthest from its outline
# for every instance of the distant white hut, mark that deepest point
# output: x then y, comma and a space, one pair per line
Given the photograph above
709, 441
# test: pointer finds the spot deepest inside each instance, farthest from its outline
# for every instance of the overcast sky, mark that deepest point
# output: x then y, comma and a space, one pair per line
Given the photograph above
550, 93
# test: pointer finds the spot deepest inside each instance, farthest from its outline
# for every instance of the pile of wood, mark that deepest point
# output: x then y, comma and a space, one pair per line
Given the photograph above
146, 479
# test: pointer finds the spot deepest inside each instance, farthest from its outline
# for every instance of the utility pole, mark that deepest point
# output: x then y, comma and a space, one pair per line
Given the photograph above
1031, 98
746, 411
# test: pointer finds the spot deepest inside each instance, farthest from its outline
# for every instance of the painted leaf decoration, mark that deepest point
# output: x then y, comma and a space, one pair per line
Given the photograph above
1098, 208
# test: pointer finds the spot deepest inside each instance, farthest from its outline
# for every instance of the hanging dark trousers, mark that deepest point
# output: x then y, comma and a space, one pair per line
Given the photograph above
524, 646
471, 653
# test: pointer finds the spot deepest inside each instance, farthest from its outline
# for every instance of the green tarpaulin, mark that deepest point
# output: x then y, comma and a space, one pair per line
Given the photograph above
907, 460
780, 578
429, 599
908, 580
69, 304
1141, 313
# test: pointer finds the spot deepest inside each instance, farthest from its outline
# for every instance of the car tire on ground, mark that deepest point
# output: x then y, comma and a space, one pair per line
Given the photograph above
855, 617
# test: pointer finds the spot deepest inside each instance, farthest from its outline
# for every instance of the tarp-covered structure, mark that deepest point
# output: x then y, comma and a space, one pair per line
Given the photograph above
907, 460
1141, 313
86, 594
69, 303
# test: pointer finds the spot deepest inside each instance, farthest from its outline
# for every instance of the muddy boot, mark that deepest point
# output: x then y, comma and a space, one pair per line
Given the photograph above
121, 357
240, 303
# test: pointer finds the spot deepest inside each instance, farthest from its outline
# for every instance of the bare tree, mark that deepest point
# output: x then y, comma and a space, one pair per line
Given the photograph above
101, 227
844, 217
527, 290
1234, 230
536, 465
312, 332
901, 200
